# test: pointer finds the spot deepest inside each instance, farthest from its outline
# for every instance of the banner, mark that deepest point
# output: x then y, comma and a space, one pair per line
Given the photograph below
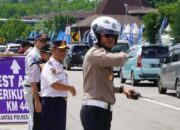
12, 104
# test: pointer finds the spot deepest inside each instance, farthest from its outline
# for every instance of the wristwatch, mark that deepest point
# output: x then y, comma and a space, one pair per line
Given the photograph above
121, 88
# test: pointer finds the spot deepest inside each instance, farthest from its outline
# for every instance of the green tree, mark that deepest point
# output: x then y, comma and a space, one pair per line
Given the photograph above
13, 29
176, 25
152, 24
60, 22
156, 3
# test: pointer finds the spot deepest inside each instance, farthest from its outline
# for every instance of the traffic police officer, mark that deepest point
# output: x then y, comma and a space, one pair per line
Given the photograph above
54, 88
29, 90
96, 112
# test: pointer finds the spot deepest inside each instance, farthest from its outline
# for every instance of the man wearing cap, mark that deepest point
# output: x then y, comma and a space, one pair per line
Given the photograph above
30, 88
25, 45
37, 67
54, 89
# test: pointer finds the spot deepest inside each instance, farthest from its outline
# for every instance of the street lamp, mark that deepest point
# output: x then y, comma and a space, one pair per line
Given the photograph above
95, 7
126, 6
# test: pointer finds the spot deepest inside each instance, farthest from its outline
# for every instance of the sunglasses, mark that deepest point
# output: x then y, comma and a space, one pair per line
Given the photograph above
110, 35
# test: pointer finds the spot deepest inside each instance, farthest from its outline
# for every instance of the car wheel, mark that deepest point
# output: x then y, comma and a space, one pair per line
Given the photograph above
178, 89
133, 81
160, 87
155, 83
122, 80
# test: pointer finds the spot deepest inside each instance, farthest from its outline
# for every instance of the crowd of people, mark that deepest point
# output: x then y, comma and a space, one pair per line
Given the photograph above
46, 83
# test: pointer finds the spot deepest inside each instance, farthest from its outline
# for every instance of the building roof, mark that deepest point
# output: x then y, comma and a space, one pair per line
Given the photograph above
143, 10
121, 18
117, 7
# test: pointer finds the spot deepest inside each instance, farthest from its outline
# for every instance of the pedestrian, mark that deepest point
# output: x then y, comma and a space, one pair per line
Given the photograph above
31, 93
25, 45
99, 97
54, 89
36, 69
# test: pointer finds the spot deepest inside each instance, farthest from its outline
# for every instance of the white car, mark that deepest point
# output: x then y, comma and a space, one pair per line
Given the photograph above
2, 48
12, 48
121, 45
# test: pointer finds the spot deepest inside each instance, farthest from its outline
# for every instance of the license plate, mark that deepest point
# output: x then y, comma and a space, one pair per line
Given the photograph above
155, 65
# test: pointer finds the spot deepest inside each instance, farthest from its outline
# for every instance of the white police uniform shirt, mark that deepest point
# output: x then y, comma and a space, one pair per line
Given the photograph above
53, 72
33, 56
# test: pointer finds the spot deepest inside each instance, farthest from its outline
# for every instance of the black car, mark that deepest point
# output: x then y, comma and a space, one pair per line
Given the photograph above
75, 55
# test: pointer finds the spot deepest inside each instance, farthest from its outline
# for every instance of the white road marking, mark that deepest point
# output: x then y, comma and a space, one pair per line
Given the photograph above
162, 104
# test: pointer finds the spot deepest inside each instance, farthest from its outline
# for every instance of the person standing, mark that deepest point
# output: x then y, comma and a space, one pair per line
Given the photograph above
36, 69
54, 89
25, 45
31, 92
96, 111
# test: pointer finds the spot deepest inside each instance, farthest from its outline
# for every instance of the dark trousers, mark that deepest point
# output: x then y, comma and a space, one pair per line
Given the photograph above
37, 119
53, 113
95, 118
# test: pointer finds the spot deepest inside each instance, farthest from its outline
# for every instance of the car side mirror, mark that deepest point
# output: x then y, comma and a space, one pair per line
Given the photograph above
162, 60
130, 56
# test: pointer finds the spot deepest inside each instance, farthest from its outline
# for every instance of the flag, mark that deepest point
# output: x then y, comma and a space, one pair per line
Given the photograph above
68, 38
52, 36
122, 32
31, 34
131, 34
141, 29
61, 36
164, 24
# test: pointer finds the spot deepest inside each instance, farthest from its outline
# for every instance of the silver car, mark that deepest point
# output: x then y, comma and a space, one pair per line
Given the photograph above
169, 77
121, 45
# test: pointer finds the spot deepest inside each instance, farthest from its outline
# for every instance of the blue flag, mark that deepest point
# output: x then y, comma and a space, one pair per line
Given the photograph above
131, 34
140, 34
164, 24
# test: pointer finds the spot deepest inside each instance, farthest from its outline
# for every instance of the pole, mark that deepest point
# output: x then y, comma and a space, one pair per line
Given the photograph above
125, 5
95, 7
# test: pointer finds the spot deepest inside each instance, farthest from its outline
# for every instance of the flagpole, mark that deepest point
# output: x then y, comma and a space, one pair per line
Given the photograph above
125, 5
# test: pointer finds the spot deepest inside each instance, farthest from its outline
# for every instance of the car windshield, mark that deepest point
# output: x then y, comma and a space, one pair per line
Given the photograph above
120, 47
154, 52
2, 49
80, 48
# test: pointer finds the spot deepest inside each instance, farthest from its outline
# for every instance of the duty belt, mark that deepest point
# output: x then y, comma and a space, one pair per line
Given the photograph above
97, 103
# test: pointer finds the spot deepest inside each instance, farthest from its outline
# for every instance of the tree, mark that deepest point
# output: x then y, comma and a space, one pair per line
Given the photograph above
176, 25
60, 22
152, 24
156, 3
13, 29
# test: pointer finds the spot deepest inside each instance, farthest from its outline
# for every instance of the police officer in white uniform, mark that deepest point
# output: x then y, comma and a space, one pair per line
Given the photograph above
54, 89
96, 112
36, 69
30, 92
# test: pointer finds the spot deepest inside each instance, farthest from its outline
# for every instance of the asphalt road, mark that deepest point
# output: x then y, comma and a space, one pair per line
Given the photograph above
156, 112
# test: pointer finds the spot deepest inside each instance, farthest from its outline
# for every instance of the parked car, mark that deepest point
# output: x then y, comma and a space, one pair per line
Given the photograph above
169, 76
121, 45
12, 48
75, 55
143, 63
2, 48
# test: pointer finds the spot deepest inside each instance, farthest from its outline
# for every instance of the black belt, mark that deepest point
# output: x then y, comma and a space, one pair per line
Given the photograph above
54, 98
27, 86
